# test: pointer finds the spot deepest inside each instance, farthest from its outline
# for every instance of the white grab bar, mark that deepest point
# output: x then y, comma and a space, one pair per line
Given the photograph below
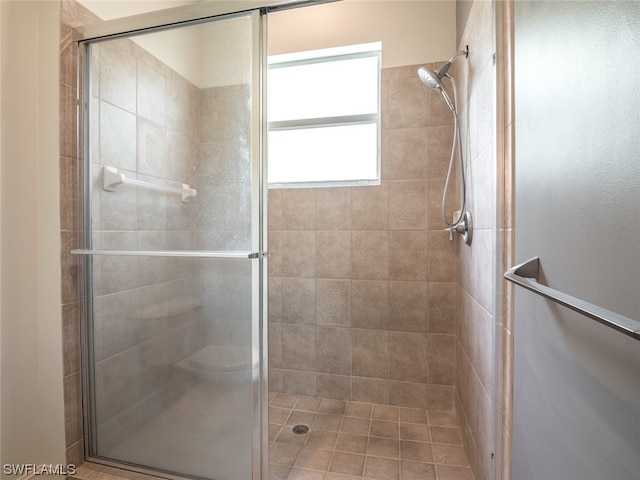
111, 178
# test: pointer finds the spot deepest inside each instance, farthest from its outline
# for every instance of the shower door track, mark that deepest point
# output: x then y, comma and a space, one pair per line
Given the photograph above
175, 16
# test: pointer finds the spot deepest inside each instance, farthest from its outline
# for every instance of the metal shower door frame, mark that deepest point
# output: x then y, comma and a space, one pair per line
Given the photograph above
158, 21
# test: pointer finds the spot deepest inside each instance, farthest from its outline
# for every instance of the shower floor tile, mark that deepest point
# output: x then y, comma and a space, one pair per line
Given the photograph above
355, 440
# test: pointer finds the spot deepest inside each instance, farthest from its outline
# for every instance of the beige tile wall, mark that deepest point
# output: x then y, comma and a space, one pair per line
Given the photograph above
362, 279
475, 376
71, 16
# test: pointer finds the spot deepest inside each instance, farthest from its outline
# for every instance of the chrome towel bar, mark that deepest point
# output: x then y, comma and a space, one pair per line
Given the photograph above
526, 275
173, 253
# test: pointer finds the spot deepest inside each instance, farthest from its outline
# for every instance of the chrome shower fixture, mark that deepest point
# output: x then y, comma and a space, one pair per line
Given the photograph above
461, 223
433, 79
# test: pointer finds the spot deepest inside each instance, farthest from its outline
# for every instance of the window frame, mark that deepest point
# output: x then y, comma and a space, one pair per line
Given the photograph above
366, 50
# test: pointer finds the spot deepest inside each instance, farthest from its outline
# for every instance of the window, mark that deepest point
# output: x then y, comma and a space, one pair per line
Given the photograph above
324, 117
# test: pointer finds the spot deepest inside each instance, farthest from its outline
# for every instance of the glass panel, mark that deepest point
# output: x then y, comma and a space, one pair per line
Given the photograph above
163, 114
347, 152
173, 350
173, 365
326, 89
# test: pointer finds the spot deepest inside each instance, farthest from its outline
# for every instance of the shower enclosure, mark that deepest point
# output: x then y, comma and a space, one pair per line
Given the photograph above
174, 242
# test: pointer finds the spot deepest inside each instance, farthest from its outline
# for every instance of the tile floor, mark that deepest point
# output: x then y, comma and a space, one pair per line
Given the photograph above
354, 440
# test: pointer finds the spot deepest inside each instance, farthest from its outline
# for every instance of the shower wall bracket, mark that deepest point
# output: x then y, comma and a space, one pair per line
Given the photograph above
112, 178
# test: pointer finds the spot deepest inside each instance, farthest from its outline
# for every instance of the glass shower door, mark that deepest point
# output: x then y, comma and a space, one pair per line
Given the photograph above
173, 242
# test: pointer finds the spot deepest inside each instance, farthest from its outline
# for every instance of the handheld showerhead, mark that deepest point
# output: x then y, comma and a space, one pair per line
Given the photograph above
430, 78
433, 79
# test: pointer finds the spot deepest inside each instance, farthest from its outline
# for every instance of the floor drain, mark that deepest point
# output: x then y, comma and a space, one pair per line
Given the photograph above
300, 429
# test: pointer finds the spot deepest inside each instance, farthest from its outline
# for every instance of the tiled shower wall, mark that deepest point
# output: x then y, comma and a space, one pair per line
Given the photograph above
71, 15
369, 269
475, 336
362, 279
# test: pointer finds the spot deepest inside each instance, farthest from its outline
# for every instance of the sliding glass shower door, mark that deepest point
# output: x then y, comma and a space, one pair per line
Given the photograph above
173, 246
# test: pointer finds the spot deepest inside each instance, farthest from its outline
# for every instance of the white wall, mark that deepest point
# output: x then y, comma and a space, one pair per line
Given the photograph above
411, 32
32, 412
180, 49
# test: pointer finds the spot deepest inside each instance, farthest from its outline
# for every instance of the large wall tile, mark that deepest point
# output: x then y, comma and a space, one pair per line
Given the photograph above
408, 102
333, 254
333, 386
408, 255
406, 394
117, 137
408, 357
370, 390
333, 208
299, 300
370, 353
408, 302
370, 255
442, 257
370, 208
299, 209
333, 350
118, 74
299, 383
441, 359
370, 304
299, 254
442, 307
405, 152
408, 205
299, 347
332, 302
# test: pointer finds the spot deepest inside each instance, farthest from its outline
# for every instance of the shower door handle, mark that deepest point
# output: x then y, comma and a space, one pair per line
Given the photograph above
527, 274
